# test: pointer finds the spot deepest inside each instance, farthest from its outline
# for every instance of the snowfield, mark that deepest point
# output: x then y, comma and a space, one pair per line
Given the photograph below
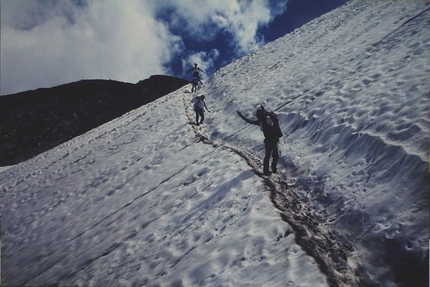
150, 199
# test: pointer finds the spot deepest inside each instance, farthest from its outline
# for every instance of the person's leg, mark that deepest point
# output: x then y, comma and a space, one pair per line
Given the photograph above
266, 160
197, 116
275, 156
202, 116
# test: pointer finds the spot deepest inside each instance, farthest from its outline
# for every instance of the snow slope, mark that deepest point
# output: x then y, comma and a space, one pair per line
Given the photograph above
151, 200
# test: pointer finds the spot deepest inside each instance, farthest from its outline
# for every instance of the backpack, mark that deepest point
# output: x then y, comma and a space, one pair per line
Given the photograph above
196, 102
272, 130
277, 129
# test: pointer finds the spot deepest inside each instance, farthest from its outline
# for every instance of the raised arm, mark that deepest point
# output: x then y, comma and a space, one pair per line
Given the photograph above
256, 122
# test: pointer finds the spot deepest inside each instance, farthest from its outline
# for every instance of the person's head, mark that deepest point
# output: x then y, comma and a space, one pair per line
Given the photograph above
202, 97
260, 113
195, 65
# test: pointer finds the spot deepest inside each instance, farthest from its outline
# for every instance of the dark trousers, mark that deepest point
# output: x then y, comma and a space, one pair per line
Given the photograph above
201, 114
194, 87
271, 151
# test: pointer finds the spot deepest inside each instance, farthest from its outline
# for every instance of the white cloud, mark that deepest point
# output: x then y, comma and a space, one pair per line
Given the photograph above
47, 43
240, 18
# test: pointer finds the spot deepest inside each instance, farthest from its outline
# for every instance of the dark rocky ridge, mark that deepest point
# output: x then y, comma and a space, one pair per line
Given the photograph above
34, 121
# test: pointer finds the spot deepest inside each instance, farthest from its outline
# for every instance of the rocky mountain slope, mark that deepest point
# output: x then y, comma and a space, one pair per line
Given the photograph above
32, 122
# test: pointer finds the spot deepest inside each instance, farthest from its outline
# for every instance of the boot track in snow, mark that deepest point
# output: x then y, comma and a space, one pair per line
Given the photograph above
310, 233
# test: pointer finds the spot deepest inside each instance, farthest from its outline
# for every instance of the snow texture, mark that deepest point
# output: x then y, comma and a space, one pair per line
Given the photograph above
150, 199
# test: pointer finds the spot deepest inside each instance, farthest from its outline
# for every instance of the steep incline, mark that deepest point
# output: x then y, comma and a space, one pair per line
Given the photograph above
354, 107
150, 200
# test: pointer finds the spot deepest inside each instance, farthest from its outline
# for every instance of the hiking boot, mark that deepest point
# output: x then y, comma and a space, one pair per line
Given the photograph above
266, 172
274, 169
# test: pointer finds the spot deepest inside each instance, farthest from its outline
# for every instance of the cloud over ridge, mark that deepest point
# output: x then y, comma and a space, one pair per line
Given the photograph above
47, 43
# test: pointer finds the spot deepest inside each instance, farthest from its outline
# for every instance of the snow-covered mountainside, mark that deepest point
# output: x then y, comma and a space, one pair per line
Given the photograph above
150, 199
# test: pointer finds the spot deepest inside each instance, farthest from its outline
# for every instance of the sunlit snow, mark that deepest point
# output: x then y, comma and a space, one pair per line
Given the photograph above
150, 199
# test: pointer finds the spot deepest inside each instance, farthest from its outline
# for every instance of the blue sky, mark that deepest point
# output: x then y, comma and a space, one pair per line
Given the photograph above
47, 43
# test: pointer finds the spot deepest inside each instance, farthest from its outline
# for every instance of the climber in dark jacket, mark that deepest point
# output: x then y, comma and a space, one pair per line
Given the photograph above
269, 124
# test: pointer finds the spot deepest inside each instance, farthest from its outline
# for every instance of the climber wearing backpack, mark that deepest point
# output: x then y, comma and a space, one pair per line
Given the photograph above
196, 70
199, 106
269, 124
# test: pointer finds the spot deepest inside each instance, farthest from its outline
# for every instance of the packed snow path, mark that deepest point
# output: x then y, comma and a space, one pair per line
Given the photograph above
310, 233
